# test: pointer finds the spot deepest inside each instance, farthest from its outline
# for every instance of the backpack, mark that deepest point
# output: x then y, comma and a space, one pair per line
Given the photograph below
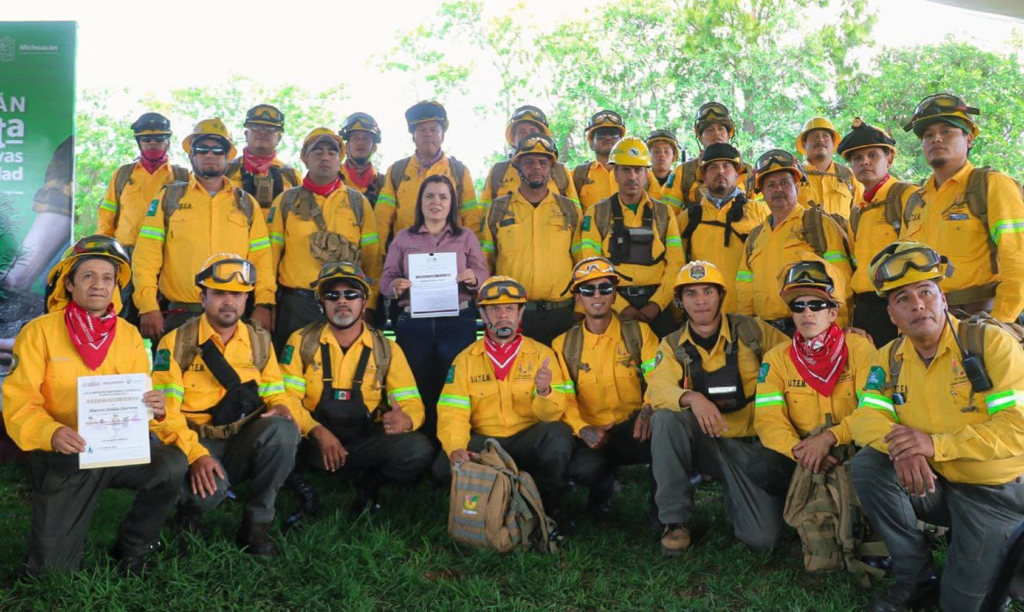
695, 215
495, 505
186, 344
398, 172
572, 349
174, 192
297, 197
124, 178
277, 175
741, 327
603, 217
976, 195
500, 169
826, 513
500, 209
844, 174
580, 177
813, 232
893, 214
971, 332
309, 344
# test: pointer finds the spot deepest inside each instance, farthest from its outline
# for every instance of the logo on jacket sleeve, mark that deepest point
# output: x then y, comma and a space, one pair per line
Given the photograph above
162, 361
152, 208
451, 375
762, 374
286, 355
876, 378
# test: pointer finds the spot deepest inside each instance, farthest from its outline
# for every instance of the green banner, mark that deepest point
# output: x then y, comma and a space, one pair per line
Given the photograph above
37, 127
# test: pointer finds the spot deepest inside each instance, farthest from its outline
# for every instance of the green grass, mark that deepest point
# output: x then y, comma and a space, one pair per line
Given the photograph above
404, 560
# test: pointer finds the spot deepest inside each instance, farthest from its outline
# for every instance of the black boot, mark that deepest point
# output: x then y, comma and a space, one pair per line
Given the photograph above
255, 539
368, 484
306, 496
134, 564
908, 596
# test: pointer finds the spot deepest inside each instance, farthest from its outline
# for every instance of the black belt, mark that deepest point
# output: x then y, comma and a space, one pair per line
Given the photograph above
638, 290
306, 293
542, 305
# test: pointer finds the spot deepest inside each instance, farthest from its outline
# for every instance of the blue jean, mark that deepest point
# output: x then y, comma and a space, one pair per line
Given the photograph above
430, 346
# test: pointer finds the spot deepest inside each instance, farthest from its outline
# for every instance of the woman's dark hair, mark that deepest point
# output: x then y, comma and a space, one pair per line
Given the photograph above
453, 211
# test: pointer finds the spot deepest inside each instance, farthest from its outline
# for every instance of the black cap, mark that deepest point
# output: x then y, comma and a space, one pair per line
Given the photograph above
152, 123
863, 135
427, 110
720, 151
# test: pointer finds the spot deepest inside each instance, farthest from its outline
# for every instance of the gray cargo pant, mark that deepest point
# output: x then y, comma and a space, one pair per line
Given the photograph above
981, 517
679, 450
262, 453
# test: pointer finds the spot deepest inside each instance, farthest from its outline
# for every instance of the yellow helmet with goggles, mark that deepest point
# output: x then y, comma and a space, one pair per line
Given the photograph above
340, 271
943, 107
88, 247
593, 268
500, 290
905, 262
227, 272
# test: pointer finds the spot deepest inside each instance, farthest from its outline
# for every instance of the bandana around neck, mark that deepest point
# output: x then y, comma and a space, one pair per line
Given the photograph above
502, 356
820, 360
90, 335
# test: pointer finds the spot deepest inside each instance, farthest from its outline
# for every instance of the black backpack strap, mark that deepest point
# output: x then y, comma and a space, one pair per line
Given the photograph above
219, 366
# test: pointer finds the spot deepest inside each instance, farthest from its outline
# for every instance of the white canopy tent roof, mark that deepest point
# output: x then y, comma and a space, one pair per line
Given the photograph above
1009, 8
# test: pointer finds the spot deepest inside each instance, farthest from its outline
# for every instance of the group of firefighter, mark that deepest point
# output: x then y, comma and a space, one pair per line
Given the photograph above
764, 325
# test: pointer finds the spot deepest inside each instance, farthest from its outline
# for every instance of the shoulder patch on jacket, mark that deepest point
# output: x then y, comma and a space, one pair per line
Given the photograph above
762, 374
451, 375
586, 223
270, 214
876, 378
288, 352
162, 361
152, 207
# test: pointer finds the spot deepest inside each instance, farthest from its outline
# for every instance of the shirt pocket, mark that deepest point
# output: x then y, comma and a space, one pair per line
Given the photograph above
804, 413
961, 233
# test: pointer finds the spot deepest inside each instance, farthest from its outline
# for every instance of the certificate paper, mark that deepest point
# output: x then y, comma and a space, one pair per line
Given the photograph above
113, 420
434, 291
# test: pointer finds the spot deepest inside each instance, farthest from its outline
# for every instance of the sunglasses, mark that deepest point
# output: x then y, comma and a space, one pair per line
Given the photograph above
814, 305
204, 149
161, 138
592, 290
348, 294
261, 127
607, 132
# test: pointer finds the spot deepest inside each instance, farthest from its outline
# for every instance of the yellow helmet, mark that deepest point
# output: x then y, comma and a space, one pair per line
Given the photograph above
699, 272
943, 107
593, 268
210, 128
90, 246
774, 161
314, 137
817, 123
905, 262
630, 151
265, 114
528, 114
340, 270
536, 144
500, 290
606, 119
227, 272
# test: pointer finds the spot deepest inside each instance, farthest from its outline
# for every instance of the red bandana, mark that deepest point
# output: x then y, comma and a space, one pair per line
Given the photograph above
503, 355
869, 194
820, 360
321, 190
151, 163
360, 178
257, 164
90, 335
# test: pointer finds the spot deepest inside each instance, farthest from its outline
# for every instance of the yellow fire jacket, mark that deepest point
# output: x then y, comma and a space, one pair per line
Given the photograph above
670, 246
296, 267
608, 388
873, 233
707, 242
600, 184
510, 183
946, 224
203, 225
397, 210
829, 191
537, 246
41, 393
665, 384
757, 281
306, 383
787, 409
473, 400
978, 437
196, 389
135, 199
